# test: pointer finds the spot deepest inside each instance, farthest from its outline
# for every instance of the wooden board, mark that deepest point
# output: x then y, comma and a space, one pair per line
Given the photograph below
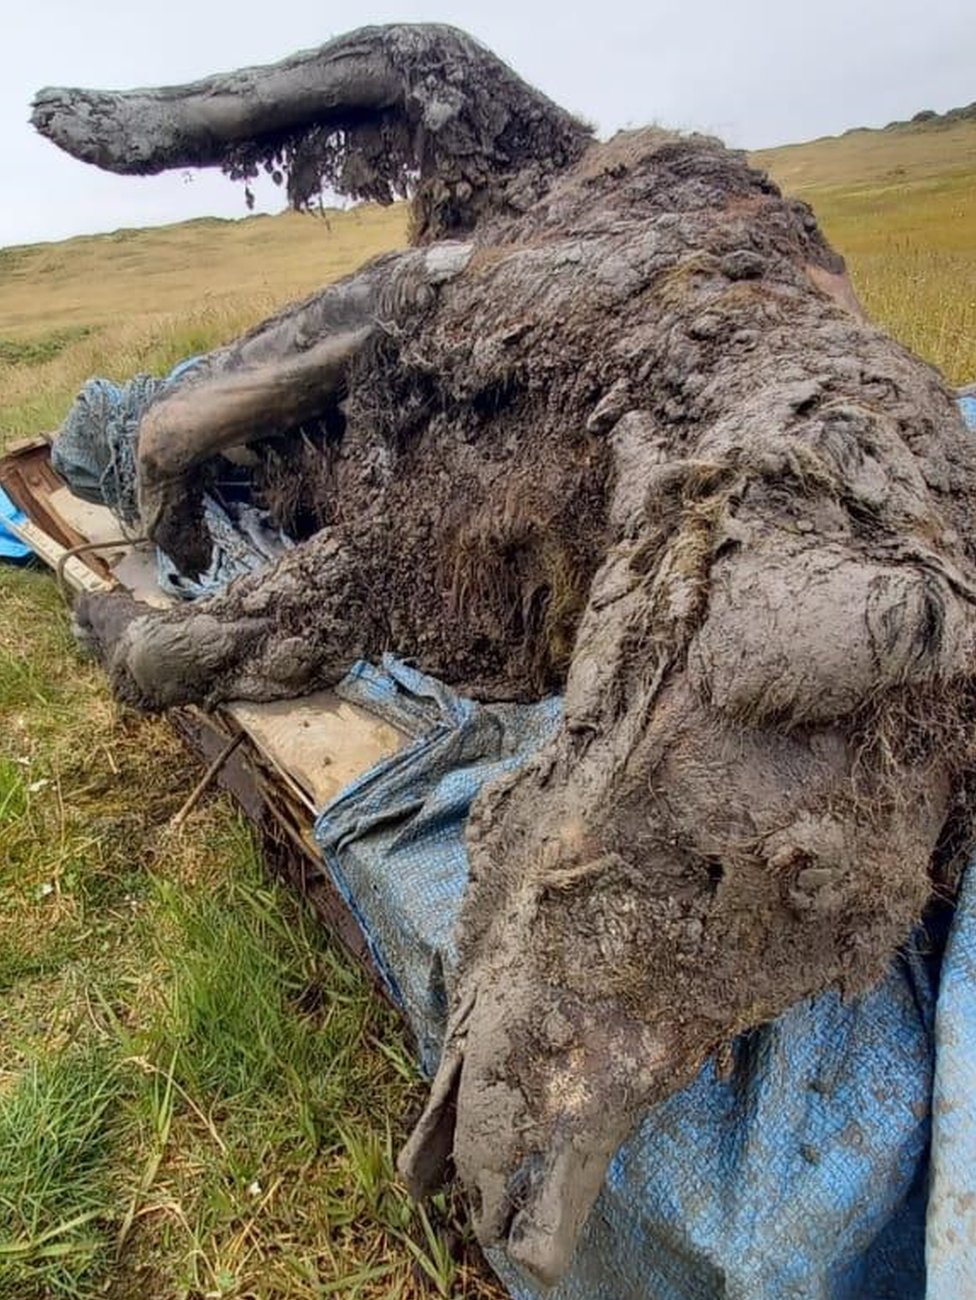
73, 570
29, 480
94, 523
321, 742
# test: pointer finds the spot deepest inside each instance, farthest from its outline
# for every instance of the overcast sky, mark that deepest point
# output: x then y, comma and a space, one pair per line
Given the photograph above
754, 72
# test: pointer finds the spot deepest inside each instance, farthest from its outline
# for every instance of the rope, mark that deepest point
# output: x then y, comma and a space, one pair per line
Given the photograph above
83, 549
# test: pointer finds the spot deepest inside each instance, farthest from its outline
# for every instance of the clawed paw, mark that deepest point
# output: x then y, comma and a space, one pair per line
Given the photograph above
100, 618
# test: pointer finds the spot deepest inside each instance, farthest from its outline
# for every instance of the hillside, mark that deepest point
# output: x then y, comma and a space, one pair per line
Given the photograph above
210, 262
900, 203
905, 152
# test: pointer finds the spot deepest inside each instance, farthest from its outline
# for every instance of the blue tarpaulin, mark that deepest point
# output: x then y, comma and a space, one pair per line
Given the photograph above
12, 549
967, 404
805, 1173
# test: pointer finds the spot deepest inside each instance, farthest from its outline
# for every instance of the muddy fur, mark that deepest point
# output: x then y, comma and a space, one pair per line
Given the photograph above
638, 453
465, 136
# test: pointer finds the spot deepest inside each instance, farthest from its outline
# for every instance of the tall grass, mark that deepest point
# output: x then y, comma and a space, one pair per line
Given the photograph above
34, 396
199, 1095
901, 206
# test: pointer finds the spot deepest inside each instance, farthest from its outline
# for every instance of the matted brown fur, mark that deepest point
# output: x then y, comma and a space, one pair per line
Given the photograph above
638, 453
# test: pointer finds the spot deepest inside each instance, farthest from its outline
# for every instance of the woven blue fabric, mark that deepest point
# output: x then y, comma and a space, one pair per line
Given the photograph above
393, 839
951, 1225
95, 453
94, 450
801, 1174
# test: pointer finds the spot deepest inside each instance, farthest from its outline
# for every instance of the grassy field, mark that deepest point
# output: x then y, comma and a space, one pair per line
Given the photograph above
901, 206
199, 1097
143, 299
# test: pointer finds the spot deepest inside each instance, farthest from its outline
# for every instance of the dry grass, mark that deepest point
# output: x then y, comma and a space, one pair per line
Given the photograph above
198, 1095
901, 206
143, 299
95, 279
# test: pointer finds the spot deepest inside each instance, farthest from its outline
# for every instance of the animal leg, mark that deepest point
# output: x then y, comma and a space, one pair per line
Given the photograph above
285, 372
293, 628
196, 423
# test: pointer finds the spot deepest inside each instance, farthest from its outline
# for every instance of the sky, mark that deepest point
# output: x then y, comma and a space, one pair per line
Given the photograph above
753, 72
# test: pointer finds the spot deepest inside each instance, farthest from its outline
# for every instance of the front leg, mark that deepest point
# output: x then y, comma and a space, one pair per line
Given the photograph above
291, 629
201, 420
281, 375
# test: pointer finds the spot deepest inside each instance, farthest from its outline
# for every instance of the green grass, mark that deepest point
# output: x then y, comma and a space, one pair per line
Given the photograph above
34, 352
56, 1150
200, 1096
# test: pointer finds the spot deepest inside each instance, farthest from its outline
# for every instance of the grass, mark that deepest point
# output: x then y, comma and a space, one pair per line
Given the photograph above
55, 1171
199, 1095
900, 205
141, 300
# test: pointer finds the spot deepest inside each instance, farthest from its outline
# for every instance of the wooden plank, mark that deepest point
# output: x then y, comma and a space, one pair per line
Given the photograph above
321, 743
136, 572
75, 573
96, 523
285, 831
26, 475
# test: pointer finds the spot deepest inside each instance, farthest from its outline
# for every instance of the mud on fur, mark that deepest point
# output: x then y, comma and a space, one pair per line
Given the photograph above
618, 398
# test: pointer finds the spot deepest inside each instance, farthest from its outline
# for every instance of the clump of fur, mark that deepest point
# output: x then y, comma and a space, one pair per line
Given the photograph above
467, 138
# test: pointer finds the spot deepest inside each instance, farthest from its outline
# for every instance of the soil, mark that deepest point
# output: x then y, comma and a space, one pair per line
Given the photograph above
638, 453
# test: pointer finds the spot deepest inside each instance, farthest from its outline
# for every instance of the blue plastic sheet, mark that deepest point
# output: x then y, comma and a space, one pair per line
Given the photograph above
951, 1223
393, 839
802, 1174
12, 549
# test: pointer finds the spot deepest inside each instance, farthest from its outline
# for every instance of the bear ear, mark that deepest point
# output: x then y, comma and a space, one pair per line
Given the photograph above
366, 114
